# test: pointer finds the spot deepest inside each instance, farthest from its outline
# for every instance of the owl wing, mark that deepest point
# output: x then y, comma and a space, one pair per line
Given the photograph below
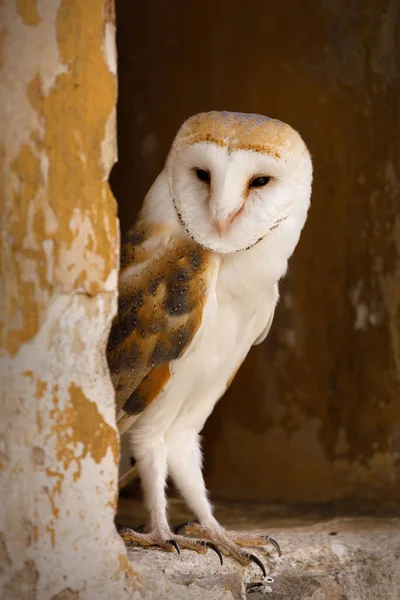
163, 288
270, 318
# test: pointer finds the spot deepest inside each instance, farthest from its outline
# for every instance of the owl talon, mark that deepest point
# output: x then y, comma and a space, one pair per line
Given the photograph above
242, 539
199, 546
253, 558
216, 550
229, 542
274, 544
175, 544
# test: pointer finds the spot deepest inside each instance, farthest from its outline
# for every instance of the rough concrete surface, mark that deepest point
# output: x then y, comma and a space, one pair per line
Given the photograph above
330, 559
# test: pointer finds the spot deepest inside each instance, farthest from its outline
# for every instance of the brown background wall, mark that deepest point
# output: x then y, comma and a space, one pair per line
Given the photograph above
314, 414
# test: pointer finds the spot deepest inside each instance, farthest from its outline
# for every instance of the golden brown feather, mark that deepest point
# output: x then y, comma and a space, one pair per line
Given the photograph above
162, 290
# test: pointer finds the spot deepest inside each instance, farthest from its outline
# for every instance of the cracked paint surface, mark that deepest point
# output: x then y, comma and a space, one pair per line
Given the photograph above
59, 446
59, 213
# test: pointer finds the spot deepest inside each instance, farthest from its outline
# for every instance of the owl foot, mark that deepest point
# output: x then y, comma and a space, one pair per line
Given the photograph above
167, 541
230, 542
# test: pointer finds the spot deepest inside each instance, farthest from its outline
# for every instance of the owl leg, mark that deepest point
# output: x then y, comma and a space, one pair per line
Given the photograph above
152, 466
184, 462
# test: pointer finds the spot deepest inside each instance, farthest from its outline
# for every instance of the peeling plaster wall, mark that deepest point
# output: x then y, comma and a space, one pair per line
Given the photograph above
314, 413
59, 447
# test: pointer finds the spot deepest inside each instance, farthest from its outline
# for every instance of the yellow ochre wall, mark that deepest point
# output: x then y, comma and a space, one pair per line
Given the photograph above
59, 448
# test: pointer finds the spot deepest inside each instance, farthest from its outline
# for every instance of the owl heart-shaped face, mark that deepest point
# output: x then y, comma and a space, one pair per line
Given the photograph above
236, 178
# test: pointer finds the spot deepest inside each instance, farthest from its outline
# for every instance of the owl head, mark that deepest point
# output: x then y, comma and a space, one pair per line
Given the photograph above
237, 178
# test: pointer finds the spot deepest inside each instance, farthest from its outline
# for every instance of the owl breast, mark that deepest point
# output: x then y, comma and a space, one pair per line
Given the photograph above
232, 320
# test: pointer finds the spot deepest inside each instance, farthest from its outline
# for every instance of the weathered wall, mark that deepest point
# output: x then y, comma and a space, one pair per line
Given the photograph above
314, 414
59, 447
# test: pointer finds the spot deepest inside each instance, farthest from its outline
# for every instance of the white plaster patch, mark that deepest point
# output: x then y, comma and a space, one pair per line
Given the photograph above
340, 551
28, 269
111, 281
48, 247
43, 37
29, 242
109, 48
50, 220
45, 166
50, 71
109, 144
71, 261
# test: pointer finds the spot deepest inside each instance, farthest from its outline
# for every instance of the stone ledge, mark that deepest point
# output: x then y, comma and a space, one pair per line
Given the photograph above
338, 559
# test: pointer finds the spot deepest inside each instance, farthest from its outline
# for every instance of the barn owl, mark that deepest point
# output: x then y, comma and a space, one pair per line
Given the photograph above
198, 287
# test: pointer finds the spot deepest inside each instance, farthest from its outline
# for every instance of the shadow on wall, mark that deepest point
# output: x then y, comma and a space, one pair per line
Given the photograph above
314, 413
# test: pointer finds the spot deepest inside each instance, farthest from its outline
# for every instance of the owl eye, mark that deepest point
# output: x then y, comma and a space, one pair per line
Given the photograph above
259, 181
203, 175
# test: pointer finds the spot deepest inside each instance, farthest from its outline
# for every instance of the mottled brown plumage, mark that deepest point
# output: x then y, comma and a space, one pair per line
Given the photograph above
161, 297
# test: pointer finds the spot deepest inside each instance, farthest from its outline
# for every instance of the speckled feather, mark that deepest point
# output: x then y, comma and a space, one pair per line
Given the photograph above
161, 298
